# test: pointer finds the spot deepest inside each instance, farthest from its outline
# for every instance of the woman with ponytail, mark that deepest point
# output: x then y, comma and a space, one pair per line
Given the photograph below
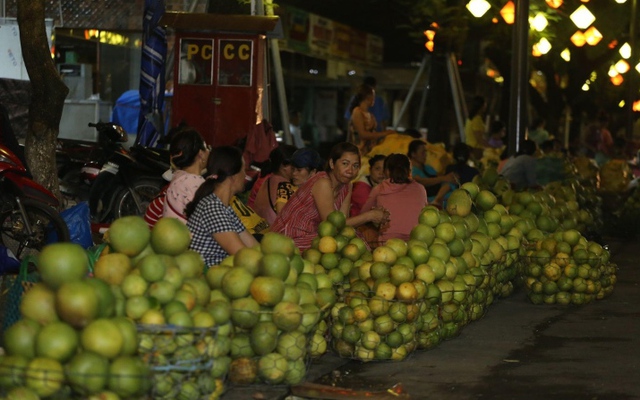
189, 153
216, 230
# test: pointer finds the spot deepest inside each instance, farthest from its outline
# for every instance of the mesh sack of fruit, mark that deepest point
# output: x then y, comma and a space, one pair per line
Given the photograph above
182, 360
377, 326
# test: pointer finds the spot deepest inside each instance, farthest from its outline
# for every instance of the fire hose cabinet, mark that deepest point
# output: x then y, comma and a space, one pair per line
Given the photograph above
219, 73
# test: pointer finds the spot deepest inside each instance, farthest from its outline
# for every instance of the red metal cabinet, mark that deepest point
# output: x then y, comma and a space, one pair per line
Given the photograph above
219, 73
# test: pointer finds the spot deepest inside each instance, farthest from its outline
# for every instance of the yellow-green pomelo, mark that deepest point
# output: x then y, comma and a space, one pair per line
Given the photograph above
267, 290
214, 276
103, 337
276, 243
486, 200
459, 203
248, 258
112, 268
236, 283
87, 372
170, 236
77, 303
128, 376
59, 263
275, 265
130, 235
287, 316
152, 268
44, 376
38, 304
57, 340
190, 263
245, 312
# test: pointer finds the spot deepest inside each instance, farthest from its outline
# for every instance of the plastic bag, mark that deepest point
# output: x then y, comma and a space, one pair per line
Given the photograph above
9, 264
78, 220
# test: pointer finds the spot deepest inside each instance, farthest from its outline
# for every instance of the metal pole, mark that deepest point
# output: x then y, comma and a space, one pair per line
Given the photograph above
412, 89
519, 77
457, 94
423, 102
277, 72
632, 85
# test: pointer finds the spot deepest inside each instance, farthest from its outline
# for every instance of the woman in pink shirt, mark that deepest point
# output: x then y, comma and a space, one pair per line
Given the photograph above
403, 197
189, 155
363, 186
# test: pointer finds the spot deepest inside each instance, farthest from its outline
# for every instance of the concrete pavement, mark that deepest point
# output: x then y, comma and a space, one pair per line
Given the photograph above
516, 351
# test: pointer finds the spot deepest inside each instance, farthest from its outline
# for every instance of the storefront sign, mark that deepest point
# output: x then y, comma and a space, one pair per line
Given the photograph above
235, 62
196, 61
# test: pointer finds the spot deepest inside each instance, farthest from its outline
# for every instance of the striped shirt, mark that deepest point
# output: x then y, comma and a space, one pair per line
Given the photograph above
300, 218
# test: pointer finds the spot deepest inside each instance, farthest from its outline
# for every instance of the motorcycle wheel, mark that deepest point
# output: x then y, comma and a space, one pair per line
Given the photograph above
125, 204
46, 224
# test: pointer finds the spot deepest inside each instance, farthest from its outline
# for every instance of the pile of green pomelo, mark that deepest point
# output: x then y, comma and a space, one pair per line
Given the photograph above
153, 320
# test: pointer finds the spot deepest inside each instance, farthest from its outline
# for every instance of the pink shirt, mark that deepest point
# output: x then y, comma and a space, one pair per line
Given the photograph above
266, 197
404, 201
180, 192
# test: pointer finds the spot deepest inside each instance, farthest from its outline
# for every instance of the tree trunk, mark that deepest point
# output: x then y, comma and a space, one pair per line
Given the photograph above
47, 95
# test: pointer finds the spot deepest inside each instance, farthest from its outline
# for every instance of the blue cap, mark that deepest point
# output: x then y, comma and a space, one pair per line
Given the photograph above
306, 158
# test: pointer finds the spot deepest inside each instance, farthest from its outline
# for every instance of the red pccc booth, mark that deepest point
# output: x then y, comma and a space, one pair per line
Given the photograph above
219, 73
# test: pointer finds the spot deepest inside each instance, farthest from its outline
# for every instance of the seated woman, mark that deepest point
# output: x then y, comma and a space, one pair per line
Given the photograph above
437, 186
280, 169
189, 154
306, 162
363, 186
320, 195
520, 169
216, 230
461, 167
403, 197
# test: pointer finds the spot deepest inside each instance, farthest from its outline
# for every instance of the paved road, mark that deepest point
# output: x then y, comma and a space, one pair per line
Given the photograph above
516, 351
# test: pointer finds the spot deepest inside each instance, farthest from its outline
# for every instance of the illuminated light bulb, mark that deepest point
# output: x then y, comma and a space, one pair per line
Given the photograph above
585, 88
621, 104
566, 55
622, 66
617, 80
621, 1
593, 36
478, 8
636, 106
638, 68
612, 72
625, 51
582, 17
578, 39
508, 12
554, 3
544, 46
539, 22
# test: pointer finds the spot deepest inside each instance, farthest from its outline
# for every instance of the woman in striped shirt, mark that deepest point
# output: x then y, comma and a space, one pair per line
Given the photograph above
323, 193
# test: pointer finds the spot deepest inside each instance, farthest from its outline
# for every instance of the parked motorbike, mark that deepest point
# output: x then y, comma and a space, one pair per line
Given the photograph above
127, 183
80, 162
28, 216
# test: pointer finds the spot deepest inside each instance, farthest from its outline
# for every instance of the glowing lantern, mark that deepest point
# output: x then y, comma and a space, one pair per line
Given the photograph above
622, 66
638, 67
539, 22
621, 1
582, 17
535, 51
636, 106
478, 7
554, 3
617, 80
508, 12
625, 51
544, 46
566, 55
593, 36
578, 39
612, 72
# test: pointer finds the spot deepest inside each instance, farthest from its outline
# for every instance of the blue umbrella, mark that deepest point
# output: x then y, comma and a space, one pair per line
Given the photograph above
154, 53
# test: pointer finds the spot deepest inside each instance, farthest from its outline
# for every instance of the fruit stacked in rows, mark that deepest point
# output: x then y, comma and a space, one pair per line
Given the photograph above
565, 268
159, 284
69, 338
271, 293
